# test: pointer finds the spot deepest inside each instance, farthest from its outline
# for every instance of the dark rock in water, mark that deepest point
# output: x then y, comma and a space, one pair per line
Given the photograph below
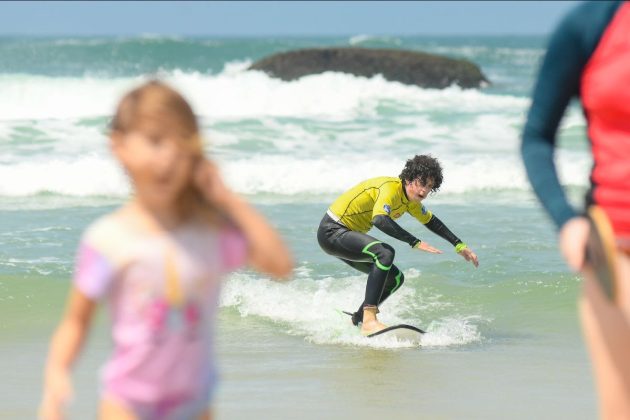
409, 67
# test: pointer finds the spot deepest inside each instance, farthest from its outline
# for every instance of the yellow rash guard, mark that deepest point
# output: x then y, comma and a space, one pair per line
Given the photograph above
383, 195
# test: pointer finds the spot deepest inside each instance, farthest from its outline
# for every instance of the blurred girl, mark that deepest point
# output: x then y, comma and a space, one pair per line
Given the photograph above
158, 262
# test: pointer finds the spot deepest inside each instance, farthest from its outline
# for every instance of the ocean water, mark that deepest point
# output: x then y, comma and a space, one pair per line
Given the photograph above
503, 340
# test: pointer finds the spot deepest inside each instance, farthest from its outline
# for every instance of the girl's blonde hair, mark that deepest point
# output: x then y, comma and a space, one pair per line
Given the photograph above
155, 100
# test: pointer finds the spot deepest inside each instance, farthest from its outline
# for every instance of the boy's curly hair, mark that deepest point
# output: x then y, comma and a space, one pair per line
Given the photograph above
424, 168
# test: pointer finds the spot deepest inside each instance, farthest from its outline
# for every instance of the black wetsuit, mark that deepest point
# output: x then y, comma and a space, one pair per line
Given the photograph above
368, 254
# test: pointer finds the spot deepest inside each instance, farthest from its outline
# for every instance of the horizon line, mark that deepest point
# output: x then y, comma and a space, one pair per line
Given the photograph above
149, 35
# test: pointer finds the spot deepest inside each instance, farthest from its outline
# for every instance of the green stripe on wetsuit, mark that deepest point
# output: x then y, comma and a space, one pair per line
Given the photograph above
374, 257
397, 282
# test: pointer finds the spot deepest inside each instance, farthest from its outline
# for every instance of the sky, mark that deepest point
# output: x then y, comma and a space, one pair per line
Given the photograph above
281, 18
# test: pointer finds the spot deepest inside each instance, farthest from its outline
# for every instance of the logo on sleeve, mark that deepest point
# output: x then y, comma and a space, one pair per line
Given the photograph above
387, 208
424, 210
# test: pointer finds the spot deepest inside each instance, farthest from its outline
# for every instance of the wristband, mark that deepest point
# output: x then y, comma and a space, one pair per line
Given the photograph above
460, 247
415, 243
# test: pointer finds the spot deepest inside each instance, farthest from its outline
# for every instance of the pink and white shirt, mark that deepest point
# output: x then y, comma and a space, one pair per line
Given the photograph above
162, 291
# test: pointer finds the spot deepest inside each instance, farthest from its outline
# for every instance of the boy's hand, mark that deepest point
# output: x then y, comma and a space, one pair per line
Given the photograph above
469, 255
423, 246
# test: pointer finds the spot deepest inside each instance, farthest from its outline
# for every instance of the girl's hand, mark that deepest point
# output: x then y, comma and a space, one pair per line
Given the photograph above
469, 255
267, 252
573, 237
423, 246
57, 394
209, 181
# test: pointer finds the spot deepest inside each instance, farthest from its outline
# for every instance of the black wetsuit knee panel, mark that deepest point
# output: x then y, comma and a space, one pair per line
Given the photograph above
382, 253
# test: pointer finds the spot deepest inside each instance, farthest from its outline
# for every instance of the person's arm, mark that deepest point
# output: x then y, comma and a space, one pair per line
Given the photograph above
266, 250
393, 229
427, 218
386, 202
64, 348
436, 226
558, 81
570, 48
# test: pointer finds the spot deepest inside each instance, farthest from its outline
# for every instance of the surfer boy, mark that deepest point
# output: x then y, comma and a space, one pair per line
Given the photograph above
379, 202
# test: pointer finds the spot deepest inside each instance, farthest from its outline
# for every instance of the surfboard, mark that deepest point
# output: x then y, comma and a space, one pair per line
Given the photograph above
601, 250
399, 331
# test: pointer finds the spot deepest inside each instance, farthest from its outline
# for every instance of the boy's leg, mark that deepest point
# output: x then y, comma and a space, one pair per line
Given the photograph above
395, 279
358, 247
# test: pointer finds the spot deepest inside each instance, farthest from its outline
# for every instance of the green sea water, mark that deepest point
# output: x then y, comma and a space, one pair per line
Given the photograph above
503, 340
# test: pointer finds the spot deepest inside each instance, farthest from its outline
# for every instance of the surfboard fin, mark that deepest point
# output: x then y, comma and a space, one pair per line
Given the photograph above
355, 318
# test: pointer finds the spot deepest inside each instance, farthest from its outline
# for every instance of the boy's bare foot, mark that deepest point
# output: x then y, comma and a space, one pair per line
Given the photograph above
370, 327
370, 323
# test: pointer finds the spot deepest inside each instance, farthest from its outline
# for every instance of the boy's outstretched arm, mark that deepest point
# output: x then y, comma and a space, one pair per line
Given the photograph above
436, 226
393, 229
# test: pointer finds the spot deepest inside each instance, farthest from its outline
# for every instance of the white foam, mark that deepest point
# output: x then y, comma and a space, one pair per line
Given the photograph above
287, 176
87, 176
363, 38
358, 39
306, 307
236, 93
574, 118
282, 175
81, 42
28, 97
453, 330
6, 130
336, 136
523, 56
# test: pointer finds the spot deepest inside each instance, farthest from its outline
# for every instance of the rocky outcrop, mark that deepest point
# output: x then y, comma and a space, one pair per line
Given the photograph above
409, 67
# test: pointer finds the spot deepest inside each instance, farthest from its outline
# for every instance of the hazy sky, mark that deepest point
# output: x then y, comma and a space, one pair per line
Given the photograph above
281, 18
